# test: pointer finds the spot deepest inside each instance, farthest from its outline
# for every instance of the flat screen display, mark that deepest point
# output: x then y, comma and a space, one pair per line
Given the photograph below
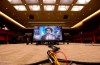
47, 33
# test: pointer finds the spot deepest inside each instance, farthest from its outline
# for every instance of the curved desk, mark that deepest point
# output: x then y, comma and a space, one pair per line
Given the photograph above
21, 54
79, 53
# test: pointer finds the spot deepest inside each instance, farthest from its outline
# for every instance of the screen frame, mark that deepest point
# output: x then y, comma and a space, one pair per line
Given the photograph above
48, 40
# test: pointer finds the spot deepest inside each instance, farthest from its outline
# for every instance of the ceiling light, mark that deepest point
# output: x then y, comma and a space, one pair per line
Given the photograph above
12, 20
15, 1
6, 8
34, 7
87, 18
49, 1
47, 22
63, 8
20, 7
48, 7
66, 1
31, 1
77, 8
83, 1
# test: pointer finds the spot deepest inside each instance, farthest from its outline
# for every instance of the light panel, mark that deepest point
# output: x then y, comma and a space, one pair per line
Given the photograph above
77, 8
34, 7
49, 1
12, 20
46, 22
66, 1
15, 1
87, 18
31, 1
20, 7
63, 8
83, 1
48, 7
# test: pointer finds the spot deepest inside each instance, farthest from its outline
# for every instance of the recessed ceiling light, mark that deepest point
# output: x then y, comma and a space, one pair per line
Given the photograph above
63, 8
89, 8
83, 1
48, 17
34, 7
31, 1
45, 22
58, 17
60, 13
72, 14
38, 17
66, 1
49, 1
48, 13
13, 14
20, 7
48, 7
6, 8
15, 1
37, 13
25, 13
77, 8
56, 4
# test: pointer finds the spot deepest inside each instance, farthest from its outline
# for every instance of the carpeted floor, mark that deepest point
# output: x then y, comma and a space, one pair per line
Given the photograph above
21, 54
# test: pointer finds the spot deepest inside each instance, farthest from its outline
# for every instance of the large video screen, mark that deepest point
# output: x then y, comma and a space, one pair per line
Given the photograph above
47, 33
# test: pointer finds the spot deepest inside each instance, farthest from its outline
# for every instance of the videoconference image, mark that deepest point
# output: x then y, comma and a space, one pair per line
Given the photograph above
46, 33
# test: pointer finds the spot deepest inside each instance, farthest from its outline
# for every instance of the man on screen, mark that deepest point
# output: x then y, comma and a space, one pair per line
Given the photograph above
48, 35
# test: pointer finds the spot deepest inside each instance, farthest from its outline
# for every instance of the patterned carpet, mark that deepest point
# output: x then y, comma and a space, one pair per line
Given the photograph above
21, 54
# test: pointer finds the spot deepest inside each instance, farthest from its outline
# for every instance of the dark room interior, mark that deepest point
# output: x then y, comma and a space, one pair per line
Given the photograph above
78, 22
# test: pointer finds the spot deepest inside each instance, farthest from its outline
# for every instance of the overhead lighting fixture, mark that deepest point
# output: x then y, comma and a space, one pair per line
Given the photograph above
77, 8
83, 1
66, 1
66, 28
47, 22
87, 18
20, 7
31, 1
15, 1
63, 8
49, 7
49, 1
12, 20
34, 7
